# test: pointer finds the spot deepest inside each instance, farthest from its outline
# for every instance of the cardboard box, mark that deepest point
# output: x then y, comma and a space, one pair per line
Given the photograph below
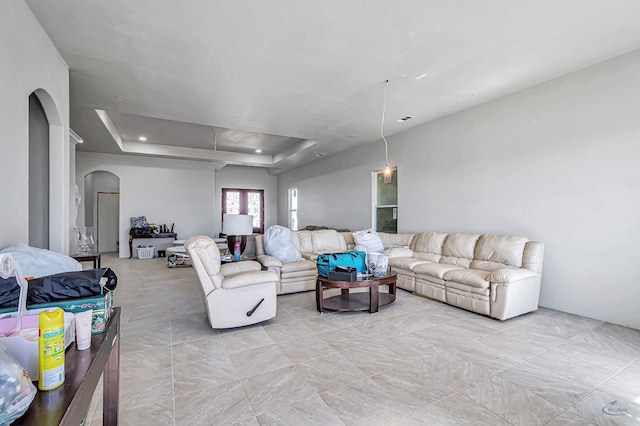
101, 306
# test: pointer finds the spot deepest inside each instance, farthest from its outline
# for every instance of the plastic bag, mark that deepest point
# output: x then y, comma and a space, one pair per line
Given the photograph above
368, 241
36, 262
16, 389
378, 264
278, 243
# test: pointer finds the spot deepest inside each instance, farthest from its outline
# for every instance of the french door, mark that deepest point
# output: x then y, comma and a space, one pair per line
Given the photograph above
245, 201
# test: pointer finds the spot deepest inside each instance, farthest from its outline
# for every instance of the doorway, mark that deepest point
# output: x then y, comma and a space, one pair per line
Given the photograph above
102, 209
108, 207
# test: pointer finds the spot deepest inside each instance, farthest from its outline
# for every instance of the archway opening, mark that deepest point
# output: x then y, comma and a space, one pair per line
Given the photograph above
48, 185
38, 174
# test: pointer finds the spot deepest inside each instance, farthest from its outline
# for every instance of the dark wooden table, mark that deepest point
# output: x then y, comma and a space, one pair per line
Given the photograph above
67, 404
346, 301
89, 257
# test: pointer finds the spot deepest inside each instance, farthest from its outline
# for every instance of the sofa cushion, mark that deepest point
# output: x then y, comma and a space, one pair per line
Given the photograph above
428, 245
461, 289
348, 238
309, 256
458, 249
269, 261
328, 240
299, 265
211, 263
305, 245
533, 256
436, 270
509, 275
233, 268
306, 273
395, 240
249, 278
398, 252
470, 277
502, 250
406, 263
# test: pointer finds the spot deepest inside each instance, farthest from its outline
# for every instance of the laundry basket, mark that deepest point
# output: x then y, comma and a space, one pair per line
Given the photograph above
145, 252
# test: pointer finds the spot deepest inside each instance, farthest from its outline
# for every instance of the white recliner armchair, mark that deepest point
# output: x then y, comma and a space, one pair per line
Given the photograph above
234, 294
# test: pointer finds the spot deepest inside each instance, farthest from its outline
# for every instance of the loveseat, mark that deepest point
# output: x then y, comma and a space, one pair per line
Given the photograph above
494, 275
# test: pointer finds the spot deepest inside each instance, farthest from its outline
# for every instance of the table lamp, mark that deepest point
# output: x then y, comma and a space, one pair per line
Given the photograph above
237, 227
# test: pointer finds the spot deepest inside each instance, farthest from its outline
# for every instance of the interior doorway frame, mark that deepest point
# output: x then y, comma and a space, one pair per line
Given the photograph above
117, 230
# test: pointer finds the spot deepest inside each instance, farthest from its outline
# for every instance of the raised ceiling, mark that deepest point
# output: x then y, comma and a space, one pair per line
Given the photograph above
297, 78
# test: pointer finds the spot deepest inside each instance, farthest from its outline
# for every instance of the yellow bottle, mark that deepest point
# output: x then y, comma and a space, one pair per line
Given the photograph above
51, 349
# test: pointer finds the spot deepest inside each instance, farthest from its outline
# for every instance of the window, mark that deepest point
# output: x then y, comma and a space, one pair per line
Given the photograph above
385, 202
293, 209
245, 201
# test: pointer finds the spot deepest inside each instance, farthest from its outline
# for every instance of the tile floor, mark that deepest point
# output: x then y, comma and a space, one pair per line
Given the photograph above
416, 362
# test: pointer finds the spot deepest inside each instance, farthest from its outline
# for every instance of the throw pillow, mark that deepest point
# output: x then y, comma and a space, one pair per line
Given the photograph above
278, 243
368, 241
139, 222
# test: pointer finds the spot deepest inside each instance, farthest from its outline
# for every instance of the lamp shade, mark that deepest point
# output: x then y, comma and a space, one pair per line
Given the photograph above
237, 224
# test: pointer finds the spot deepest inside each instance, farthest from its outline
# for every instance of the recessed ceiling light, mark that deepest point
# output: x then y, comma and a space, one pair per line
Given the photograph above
142, 138
420, 76
120, 98
258, 151
405, 118
320, 154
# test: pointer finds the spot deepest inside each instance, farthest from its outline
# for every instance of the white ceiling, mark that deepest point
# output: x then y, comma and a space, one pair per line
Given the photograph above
299, 77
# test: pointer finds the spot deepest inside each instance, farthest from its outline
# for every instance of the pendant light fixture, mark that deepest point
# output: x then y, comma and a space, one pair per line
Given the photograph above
387, 169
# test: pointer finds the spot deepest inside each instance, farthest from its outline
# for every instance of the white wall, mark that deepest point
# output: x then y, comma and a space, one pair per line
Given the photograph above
334, 192
31, 63
247, 178
166, 191
557, 163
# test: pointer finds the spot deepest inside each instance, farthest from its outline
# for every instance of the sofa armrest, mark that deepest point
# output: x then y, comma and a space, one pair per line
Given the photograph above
249, 278
399, 252
238, 267
269, 261
309, 256
505, 276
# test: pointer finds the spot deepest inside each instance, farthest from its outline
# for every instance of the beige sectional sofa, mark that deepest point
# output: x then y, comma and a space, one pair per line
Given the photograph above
301, 275
494, 275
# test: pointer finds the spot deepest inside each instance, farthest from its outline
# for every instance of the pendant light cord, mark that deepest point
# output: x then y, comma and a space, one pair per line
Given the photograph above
384, 109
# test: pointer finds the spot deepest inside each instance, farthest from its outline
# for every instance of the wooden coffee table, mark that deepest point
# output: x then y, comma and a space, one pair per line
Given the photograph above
346, 301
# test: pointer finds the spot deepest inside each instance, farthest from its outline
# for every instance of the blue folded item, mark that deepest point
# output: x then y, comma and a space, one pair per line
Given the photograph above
352, 258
